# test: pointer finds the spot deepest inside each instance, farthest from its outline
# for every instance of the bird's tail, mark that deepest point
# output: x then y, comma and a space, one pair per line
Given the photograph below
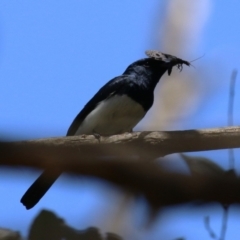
37, 190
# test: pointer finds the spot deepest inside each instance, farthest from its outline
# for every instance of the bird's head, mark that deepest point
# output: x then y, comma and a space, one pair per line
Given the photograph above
156, 65
166, 60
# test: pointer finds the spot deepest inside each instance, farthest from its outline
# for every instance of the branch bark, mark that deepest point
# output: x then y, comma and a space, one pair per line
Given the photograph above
136, 145
109, 160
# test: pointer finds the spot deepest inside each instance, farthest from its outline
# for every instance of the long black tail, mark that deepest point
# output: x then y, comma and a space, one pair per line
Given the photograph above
37, 190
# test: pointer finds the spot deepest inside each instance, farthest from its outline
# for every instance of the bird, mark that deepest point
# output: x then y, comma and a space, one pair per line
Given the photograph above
115, 109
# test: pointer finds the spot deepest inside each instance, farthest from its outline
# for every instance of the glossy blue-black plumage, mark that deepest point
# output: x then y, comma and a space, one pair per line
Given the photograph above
137, 83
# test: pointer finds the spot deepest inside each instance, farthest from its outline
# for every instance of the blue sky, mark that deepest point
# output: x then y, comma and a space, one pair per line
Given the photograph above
54, 55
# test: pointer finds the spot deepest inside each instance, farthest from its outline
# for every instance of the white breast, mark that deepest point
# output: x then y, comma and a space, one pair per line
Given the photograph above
116, 115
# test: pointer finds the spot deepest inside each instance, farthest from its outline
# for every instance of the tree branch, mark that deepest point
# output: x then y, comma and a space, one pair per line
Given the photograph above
136, 145
109, 160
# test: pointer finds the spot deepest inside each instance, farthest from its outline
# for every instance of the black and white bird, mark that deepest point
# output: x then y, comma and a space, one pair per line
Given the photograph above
116, 108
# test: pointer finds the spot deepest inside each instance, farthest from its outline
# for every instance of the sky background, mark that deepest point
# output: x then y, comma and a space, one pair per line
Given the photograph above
54, 55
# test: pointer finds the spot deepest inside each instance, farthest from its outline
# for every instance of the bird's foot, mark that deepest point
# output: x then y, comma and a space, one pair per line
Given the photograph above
97, 136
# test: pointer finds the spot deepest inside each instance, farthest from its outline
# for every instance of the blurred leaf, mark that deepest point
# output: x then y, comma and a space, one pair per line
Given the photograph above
6, 234
47, 225
201, 165
113, 236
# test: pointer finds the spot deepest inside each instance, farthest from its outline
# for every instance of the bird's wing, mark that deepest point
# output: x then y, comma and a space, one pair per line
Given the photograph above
115, 86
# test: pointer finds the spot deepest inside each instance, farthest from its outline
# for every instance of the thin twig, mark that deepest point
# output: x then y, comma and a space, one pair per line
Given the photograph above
230, 151
208, 227
224, 222
230, 113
